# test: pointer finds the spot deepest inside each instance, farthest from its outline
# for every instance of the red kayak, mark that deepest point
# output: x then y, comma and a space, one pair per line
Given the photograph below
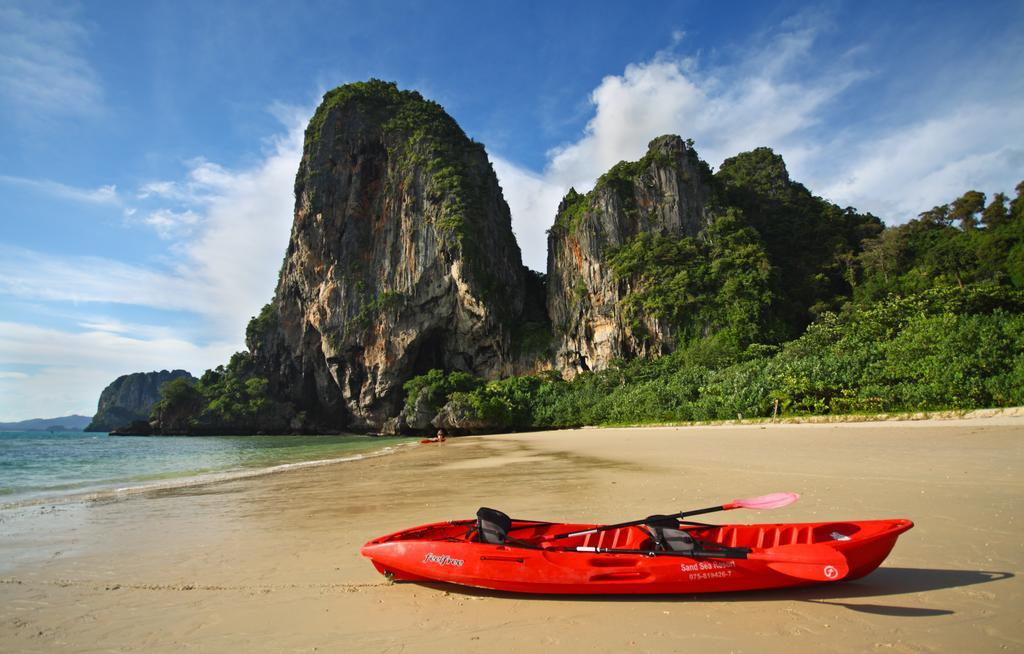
529, 556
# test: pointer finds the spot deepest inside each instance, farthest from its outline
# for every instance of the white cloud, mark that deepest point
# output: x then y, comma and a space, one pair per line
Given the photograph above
134, 330
530, 197
231, 230
169, 223
244, 224
229, 247
779, 94
71, 368
100, 195
164, 189
910, 169
35, 275
756, 101
30, 344
42, 68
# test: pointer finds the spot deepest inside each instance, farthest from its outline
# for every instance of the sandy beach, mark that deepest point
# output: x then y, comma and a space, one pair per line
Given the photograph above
272, 563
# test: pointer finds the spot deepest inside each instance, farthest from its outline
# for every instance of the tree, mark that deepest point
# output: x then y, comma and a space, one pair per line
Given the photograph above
885, 255
966, 207
180, 402
996, 214
952, 257
808, 241
938, 216
1017, 206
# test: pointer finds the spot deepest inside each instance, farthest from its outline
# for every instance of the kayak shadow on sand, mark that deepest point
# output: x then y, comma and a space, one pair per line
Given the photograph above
880, 583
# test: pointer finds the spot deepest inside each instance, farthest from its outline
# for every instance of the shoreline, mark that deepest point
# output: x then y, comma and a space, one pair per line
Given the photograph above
843, 418
191, 481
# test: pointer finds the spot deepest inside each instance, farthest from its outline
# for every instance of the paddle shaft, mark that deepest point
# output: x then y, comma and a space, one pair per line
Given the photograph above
632, 523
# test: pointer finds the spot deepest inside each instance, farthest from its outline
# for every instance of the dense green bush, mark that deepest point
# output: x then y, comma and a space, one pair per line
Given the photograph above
180, 401
433, 389
716, 284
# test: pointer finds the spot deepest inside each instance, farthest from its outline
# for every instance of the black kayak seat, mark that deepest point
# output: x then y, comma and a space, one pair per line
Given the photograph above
492, 526
667, 535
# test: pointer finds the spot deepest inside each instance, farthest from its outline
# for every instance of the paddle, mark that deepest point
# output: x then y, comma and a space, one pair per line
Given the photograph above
810, 562
763, 502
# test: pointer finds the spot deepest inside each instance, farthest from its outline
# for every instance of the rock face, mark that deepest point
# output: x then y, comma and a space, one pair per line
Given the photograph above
129, 398
456, 417
401, 259
667, 192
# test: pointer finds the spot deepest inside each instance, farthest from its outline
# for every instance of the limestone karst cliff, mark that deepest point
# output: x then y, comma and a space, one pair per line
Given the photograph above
129, 398
662, 252
401, 259
666, 193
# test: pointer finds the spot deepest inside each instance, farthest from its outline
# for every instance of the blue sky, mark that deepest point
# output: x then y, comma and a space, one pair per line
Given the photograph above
147, 149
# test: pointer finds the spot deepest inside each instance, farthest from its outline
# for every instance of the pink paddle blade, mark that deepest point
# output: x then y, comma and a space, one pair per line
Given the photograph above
770, 501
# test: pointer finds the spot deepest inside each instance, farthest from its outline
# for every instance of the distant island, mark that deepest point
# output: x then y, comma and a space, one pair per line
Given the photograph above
63, 423
128, 400
672, 293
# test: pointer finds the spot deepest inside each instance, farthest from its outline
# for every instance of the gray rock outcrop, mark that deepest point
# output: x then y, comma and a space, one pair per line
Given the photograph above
666, 192
401, 259
130, 398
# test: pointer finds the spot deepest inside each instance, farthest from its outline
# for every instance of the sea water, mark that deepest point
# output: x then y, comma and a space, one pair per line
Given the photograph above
36, 465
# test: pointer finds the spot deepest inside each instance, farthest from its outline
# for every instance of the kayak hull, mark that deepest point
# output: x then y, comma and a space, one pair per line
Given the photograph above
530, 563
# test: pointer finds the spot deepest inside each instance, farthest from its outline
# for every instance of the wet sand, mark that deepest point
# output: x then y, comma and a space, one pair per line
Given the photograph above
272, 563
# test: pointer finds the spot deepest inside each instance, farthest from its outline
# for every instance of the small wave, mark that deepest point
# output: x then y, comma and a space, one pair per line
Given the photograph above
195, 480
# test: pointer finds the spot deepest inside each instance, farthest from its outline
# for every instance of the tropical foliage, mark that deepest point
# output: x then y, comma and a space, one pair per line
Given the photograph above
226, 400
945, 348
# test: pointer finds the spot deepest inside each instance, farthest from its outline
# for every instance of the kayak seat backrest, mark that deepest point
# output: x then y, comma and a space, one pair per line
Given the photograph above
667, 535
492, 526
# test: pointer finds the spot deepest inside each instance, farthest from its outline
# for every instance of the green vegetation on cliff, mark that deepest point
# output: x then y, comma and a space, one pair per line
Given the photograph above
573, 210
229, 399
260, 325
431, 390
773, 258
368, 312
418, 133
812, 244
718, 283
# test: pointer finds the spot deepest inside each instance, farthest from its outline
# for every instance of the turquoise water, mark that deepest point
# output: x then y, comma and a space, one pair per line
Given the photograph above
42, 464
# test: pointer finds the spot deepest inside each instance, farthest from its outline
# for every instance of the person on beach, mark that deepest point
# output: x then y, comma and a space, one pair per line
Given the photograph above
440, 437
